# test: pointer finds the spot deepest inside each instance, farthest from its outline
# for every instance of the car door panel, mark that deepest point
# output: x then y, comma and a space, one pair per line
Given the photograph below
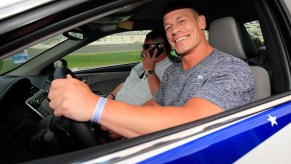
103, 83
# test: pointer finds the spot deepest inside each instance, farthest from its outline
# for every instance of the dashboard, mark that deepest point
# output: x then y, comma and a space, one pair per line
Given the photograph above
40, 103
23, 92
26, 116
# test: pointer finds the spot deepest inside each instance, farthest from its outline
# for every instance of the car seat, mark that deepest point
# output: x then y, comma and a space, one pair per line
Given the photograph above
227, 35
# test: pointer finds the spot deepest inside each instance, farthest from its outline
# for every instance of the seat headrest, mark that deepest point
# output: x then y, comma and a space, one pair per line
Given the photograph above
229, 36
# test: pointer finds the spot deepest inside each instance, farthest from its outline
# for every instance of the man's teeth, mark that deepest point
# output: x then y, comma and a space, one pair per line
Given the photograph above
180, 39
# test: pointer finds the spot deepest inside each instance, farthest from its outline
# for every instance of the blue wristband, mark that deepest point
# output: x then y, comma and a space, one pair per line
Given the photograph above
98, 110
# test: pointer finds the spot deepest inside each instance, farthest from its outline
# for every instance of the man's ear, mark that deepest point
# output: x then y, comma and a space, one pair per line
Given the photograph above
201, 22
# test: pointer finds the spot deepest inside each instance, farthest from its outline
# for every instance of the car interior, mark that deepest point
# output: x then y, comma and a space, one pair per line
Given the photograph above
238, 42
35, 134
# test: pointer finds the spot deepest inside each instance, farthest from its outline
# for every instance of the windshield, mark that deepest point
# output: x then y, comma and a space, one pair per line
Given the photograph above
19, 58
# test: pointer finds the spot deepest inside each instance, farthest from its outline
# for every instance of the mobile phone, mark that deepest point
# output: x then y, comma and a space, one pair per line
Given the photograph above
159, 52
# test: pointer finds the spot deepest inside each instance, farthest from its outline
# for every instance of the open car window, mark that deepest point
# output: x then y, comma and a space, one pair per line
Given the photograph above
115, 49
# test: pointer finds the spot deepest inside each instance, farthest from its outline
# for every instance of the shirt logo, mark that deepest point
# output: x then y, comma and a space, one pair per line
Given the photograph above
200, 77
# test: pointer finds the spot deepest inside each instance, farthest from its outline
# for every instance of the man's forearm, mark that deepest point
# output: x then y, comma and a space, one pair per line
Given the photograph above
131, 121
113, 94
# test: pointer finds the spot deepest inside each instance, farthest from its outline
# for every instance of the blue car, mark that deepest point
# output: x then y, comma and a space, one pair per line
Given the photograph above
98, 42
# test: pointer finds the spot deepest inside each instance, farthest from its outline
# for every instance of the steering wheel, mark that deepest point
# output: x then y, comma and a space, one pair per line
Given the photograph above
84, 132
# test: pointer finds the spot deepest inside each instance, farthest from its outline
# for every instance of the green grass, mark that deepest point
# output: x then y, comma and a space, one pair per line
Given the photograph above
95, 59
6, 65
102, 59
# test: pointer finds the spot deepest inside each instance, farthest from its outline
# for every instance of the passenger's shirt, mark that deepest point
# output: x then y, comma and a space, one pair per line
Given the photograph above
136, 89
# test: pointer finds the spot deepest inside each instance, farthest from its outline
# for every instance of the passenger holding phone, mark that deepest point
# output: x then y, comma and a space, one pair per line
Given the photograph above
144, 79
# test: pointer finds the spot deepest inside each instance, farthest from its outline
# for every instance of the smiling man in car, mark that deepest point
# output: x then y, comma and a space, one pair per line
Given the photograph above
206, 82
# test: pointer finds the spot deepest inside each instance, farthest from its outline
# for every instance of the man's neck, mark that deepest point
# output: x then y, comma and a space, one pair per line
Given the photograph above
195, 56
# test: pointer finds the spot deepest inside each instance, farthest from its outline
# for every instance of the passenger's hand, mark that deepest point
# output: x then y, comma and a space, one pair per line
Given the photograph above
111, 97
148, 61
72, 98
111, 133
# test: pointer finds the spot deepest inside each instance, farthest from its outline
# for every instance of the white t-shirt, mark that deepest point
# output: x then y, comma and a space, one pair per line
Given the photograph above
136, 90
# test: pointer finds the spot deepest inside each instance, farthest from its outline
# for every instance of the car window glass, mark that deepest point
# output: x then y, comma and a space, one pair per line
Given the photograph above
27, 54
254, 30
115, 49
261, 59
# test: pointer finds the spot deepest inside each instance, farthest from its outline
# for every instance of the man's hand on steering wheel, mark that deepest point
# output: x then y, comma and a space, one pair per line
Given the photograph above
71, 95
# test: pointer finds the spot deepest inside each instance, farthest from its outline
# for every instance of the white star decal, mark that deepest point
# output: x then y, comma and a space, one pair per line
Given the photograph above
272, 120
